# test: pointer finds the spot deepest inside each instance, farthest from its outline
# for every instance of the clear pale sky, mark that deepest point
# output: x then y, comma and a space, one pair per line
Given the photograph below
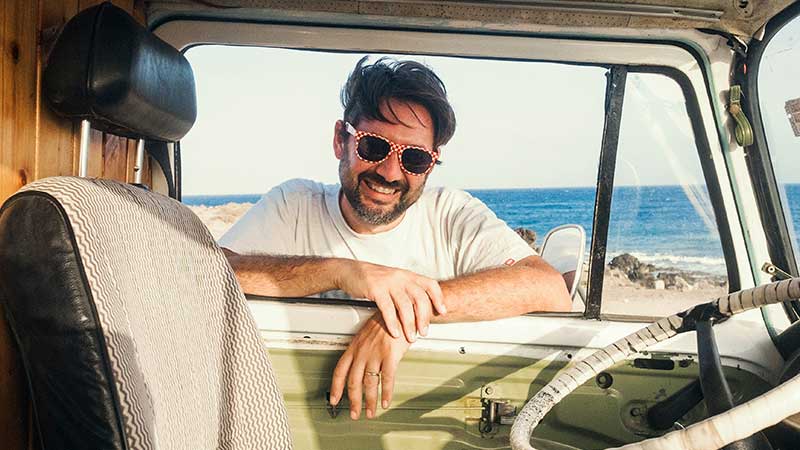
267, 115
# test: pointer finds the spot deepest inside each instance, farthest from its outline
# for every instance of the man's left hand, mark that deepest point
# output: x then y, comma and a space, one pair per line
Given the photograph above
369, 362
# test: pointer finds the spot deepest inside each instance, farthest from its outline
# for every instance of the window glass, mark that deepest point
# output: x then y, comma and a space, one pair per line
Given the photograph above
664, 252
779, 97
527, 142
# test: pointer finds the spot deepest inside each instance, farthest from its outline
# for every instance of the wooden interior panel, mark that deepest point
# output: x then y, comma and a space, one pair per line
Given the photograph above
96, 140
34, 141
115, 157
19, 62
58, 137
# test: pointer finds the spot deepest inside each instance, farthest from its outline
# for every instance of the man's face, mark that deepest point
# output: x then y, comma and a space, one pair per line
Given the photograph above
377, 195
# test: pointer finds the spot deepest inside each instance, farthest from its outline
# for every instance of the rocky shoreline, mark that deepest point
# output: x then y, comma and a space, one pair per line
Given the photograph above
628, 267
626, 270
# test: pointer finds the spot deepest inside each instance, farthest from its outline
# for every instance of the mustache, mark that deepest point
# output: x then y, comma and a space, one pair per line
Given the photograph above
379, 180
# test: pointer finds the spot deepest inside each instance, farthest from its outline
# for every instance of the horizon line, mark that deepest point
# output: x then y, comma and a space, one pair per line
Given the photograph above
491, 189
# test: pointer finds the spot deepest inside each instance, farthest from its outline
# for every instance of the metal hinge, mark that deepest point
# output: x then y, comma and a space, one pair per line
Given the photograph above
743, 131
496, 412
774, 271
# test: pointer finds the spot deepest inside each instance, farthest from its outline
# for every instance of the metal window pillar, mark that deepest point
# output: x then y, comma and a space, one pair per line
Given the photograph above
615, 94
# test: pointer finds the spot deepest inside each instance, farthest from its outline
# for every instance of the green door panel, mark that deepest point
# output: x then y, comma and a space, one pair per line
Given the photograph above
437, 402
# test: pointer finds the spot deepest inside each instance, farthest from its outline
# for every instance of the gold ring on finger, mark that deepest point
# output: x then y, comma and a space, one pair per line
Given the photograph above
371, 373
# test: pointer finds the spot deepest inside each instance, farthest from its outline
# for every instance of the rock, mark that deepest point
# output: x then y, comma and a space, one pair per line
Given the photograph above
652, 282
675, 281
615, 277
631, 266
713, 282
528, 235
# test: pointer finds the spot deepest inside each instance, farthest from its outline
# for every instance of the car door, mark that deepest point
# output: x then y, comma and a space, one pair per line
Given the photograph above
620, 136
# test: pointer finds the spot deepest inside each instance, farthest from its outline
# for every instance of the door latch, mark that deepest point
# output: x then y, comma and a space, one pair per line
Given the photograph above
743, 131
496, 412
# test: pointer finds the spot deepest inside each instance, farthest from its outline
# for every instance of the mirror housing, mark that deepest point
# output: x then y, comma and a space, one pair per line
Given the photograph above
563, 248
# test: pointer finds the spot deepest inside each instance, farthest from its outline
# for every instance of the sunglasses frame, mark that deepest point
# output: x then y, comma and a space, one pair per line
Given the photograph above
393, 148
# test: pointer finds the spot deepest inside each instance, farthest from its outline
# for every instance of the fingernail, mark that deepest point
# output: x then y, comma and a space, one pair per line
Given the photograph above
370, 414
443, 310
333, 400
395, 332
353, 415
425, 331
385, 404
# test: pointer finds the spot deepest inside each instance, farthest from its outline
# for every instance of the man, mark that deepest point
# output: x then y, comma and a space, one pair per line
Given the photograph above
381, 236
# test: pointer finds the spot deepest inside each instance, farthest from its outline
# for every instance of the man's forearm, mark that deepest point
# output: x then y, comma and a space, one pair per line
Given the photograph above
404, 298
285, 276
529, 286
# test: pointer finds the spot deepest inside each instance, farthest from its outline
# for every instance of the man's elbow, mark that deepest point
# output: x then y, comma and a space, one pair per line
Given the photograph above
558, 298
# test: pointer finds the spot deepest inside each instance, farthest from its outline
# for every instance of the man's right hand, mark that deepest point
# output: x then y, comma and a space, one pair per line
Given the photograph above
398, 293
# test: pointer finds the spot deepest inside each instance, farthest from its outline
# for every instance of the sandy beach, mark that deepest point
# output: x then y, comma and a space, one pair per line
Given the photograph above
219, 218
630, 288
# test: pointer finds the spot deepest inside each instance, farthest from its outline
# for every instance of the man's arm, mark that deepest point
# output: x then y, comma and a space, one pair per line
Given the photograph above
398, 294
284, 276
530, 285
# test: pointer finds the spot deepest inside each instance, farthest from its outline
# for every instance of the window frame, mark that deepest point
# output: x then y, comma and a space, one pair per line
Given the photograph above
636, 54
594, 302
762, 175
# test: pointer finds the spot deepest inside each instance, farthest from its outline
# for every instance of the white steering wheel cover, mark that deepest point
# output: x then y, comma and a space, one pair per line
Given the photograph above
712, 433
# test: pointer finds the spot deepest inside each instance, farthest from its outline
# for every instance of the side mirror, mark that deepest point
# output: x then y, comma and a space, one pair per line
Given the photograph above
563, 248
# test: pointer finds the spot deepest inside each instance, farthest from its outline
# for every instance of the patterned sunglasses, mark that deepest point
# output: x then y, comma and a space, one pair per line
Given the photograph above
374, 148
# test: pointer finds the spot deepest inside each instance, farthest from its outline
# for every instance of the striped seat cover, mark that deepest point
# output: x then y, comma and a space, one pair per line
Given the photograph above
189, 370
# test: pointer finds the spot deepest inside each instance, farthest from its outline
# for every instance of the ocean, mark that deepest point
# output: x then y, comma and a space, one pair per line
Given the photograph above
667, 226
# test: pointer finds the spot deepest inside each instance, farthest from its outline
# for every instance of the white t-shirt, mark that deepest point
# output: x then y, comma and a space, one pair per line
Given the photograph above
445, 234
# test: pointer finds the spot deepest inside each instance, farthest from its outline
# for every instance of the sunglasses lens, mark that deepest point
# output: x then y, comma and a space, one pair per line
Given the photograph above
372, 148
416, 161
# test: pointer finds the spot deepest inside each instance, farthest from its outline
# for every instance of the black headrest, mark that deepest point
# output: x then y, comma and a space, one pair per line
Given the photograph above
107, 68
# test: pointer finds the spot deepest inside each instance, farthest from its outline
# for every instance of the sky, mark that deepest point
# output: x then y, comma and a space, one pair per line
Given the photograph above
266, 115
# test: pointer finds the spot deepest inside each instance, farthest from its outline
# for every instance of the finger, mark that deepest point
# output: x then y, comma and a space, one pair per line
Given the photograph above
435, 294
340, 377
422, 308
372, 379
389, 313
405, 310
387, 384
355, 381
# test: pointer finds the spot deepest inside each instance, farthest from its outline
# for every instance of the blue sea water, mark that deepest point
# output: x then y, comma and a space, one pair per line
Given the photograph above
668, 226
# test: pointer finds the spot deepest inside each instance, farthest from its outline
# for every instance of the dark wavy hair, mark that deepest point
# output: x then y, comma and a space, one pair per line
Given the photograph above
372, 85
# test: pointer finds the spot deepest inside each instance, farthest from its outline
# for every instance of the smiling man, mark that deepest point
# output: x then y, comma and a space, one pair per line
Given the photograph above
420, 254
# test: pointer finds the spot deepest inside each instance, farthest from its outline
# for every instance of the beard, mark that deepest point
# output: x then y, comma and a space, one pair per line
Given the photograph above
376, 215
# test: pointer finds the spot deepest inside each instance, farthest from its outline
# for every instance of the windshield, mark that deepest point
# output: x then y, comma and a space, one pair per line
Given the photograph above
527, 145
779, 101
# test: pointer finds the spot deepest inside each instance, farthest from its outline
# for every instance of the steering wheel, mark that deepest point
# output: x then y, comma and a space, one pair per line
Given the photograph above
712, 433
